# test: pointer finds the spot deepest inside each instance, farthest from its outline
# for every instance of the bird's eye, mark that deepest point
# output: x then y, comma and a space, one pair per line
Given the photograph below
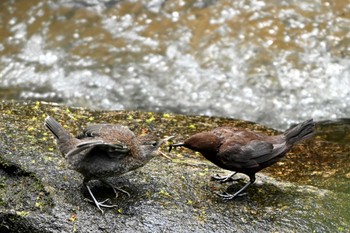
150, 143
154, 143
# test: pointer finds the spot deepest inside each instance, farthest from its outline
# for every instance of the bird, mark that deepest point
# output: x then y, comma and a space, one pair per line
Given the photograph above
102, 151
244, 151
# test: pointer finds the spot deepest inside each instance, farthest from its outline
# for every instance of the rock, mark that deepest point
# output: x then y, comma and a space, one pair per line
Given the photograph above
39, 194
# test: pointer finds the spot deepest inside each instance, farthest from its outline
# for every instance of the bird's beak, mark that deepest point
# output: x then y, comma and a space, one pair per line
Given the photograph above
175, 145
161, 142
166, 139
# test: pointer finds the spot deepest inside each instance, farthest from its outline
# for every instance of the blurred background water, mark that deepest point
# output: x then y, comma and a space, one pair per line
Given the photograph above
272, 62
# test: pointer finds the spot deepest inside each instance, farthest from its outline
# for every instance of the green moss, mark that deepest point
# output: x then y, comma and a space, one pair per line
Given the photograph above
22, 213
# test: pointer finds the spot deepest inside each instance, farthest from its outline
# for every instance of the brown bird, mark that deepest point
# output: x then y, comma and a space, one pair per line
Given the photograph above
244, 151
103, 151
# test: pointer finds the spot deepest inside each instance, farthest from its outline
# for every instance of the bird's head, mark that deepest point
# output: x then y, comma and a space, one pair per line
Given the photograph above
150, 144
204, 142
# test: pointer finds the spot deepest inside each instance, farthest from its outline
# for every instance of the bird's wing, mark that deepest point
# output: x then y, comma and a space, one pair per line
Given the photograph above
107, 131
116, 148
259, 151
246, 156
94, 130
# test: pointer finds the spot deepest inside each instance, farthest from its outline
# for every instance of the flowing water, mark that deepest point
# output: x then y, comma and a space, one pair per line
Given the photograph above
268, 61
272, 62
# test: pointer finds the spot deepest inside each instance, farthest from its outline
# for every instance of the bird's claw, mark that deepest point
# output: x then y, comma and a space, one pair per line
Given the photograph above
224, 179
116, 189
100, 204
221, 179
226, 196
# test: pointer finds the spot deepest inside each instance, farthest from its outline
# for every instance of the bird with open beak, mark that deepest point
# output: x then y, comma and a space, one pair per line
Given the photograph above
104, 150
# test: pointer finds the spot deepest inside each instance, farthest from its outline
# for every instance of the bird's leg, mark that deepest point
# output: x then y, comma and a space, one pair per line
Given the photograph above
224, 179
98, 203
227, 196
115, 189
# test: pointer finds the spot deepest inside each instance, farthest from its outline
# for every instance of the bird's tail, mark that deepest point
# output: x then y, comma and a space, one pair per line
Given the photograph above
300, 132
61, 134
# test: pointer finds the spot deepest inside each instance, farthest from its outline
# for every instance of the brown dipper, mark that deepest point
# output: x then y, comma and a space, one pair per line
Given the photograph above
244, 151
104, 150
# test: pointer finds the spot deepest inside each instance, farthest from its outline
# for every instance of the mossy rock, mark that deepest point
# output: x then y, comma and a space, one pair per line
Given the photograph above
309, 191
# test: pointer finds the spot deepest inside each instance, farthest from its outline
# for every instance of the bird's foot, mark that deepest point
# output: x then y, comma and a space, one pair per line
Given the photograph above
100, 204
226, 196
116, 189
225, 179
239, 193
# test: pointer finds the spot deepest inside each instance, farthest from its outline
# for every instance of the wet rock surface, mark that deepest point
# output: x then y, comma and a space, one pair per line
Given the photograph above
272, 62
307, 191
